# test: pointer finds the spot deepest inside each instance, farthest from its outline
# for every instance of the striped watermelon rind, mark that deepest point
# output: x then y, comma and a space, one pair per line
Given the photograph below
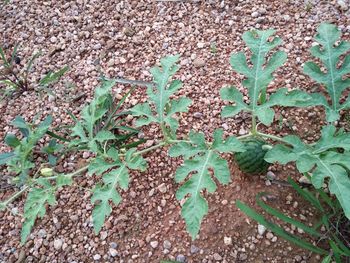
252, 160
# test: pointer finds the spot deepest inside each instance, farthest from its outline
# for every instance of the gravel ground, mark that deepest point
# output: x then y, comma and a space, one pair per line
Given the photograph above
124, 39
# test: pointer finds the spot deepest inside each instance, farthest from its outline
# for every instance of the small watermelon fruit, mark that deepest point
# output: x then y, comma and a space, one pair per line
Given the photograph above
252, 160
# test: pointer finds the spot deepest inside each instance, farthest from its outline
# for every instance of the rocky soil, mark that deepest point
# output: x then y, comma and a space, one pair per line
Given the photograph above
124, 39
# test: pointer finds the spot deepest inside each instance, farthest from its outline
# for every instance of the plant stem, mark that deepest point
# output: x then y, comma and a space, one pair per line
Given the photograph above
165, 132
14, 197
26, 187
273, 137
150, 148
254, 130
177, 141
75, 173
242, 137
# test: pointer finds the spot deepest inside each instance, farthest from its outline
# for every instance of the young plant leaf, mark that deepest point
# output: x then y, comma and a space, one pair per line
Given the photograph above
323, 158
11, 140
118, 175
6, 157
103, 193
333, 79
19, 160
87, 132
199, 159
35, 207
159, 97
52, 77
258, 78
52, 149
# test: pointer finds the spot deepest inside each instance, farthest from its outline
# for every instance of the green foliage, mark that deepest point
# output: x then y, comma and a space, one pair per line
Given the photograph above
117, 175
52, 77
17, 80
258, 78
100, 130
323, 159
159, 97
329, 52
95, 130
35, 206
199, 157
331, 213
19, 160
51, 150
36, 201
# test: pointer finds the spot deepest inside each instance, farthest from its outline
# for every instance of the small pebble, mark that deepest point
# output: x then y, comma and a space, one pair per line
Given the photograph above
181, 258
154, 244
198, 115
255, 14
166, 244
217, 256
227, 241
261, 229
194, 249
57, 244
113, 245
200, 45
113, 252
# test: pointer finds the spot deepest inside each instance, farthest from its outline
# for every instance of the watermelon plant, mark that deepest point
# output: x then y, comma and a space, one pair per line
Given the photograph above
327, 160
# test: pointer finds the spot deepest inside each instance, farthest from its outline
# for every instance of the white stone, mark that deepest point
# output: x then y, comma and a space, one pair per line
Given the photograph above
162, 188
104, 235
255, 14
261, 229
200, 45
286, 18
166, 244
227, 241
57, 244
53, 39
304, 180
343, 5
269, 235
154, 244
217, 257
113, 252
242, 131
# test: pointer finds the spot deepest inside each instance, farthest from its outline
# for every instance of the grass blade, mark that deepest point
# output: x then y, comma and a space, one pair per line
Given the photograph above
14, 53
3, 57
117, 107
306, 195
285, 218
54, 135
278, 230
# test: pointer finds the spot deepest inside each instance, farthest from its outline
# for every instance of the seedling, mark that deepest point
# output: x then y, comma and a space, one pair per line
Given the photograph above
14, 77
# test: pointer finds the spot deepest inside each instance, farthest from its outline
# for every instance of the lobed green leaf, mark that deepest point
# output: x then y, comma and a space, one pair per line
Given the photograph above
164, 107
334, 78
200, 158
